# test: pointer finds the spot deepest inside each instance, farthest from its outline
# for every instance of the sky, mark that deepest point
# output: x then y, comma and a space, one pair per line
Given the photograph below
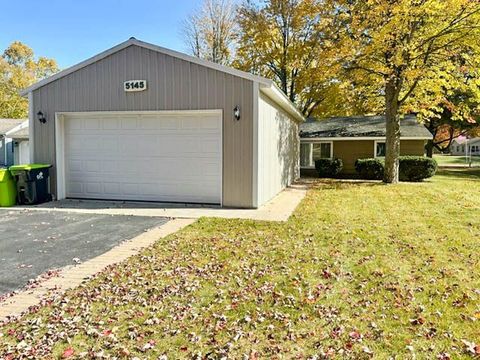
71, 31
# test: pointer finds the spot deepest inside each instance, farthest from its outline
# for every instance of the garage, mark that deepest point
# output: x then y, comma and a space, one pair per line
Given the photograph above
141, 122
146, 156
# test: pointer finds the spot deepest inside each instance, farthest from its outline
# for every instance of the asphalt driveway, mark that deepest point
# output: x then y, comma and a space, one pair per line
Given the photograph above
33, 242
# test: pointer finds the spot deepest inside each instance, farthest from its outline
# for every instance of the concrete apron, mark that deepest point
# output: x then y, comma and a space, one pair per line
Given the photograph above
278, 209
71, 277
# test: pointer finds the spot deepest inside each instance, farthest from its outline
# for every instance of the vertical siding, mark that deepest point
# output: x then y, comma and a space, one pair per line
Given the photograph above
278, 149
173, 84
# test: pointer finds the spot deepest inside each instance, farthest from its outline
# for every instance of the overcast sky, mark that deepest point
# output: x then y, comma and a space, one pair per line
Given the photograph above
72, 30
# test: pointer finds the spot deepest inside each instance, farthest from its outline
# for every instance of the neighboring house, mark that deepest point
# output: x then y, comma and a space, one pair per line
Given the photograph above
141, 122
464, 146
356, 137
6, 143
21, 150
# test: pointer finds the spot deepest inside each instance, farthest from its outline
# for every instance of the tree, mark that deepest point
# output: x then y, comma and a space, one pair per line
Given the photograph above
18, 70
410, 53
457, 115
288, 41
210, 33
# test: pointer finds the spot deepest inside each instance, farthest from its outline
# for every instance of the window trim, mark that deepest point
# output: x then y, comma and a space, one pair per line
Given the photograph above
375, 147
310, 157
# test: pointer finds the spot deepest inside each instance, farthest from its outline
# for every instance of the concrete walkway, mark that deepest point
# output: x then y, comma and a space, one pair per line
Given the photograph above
71, 277
278, 209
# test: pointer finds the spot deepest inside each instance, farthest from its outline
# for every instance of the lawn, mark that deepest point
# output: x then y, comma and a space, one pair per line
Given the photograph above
361, 270
451, 160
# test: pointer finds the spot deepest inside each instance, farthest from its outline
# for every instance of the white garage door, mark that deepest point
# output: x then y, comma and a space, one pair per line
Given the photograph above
165, 156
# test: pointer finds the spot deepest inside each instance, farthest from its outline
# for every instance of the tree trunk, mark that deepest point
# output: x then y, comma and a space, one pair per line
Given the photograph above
429, 148
391, 174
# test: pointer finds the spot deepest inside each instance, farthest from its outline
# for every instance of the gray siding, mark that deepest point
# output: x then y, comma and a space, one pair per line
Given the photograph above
173, 84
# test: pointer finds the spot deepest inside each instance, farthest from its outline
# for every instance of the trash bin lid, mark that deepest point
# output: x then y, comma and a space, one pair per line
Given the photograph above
5, 175
29, 167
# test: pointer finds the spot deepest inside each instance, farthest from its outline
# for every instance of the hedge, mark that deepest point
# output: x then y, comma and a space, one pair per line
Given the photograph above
369, 169
328, 168
416, 168
412, 168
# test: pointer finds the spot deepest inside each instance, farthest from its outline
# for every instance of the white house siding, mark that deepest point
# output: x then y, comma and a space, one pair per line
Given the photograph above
21, 152
278, 149
465, 148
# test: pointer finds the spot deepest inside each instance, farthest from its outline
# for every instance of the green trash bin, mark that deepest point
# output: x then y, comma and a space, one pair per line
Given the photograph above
33, 185
8, 191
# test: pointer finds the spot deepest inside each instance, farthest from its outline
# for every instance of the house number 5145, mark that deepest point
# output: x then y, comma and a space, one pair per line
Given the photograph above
135, 85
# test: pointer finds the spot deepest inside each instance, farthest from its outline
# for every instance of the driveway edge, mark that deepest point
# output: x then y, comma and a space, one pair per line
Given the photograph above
71, 277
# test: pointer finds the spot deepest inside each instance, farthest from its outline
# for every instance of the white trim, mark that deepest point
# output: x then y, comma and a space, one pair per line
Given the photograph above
375, 147
133, 41
274, 93
60, 155
142, 112
21, 126
255, 164
60, 138
220, 114
314, 139
31, 126
311, 143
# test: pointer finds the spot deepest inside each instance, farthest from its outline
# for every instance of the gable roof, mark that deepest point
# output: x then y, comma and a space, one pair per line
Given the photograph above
361, 127
266, 85
9, 124
19, 132
463, 140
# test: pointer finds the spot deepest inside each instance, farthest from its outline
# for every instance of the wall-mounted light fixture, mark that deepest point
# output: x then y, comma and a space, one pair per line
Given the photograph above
41, 117
236, 112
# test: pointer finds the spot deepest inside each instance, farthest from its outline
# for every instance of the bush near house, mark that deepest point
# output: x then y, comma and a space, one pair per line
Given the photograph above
328, 168
416, 168
412, 168
369, 169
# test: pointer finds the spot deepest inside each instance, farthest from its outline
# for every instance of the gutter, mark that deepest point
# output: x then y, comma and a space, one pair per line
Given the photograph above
277, 95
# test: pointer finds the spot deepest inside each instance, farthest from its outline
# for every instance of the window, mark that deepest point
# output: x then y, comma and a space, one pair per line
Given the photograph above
305, 155
309, 152
458, 148
321, 151
380, 149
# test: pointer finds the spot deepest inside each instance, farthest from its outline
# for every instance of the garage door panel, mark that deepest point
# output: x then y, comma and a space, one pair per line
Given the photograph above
91, 124
144, 157
111, 124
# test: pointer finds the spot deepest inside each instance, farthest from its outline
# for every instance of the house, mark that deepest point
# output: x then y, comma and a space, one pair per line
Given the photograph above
21, 150
356, 137
6, 144
465, 146
142, 122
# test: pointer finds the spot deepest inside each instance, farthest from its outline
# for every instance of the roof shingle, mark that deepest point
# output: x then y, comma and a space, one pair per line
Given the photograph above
9, 124
360, 126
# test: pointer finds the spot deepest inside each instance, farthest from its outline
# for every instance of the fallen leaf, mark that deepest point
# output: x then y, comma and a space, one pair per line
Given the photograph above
67, 353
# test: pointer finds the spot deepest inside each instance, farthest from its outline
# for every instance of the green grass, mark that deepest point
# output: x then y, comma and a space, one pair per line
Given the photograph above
360, 270
449, 160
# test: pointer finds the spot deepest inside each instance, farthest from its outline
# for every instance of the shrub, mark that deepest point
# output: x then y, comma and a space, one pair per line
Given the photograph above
416, 168
369, 169
328, 168
412, 168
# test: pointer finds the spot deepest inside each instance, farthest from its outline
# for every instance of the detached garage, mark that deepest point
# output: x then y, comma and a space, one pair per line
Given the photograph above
143, 123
